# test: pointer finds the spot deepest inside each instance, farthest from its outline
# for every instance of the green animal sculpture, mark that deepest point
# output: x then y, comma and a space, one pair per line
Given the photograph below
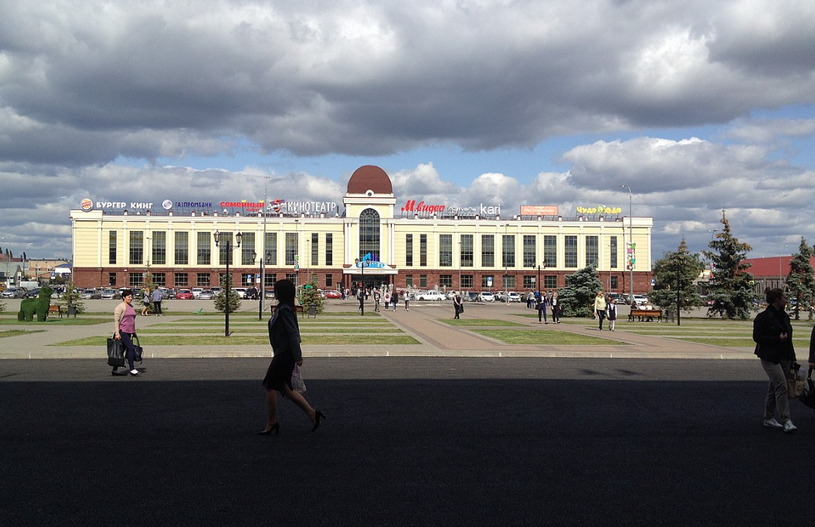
38, 305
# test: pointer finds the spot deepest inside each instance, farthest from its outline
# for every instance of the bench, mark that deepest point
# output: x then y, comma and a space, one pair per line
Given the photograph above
54, 308
645, 315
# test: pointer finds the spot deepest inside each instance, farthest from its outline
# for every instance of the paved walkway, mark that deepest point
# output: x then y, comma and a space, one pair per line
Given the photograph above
422, 322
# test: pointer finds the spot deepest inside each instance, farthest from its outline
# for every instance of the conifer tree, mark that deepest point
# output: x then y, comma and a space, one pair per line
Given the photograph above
577, 298
674, 277
800, 281
730, 283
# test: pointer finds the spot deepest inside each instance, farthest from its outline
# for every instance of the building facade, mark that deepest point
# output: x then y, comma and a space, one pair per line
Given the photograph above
374, 240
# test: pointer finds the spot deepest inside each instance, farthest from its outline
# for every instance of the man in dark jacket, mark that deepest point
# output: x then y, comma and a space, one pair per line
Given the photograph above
772, 333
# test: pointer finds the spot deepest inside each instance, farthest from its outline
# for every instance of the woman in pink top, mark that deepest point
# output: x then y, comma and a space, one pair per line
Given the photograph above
124, 329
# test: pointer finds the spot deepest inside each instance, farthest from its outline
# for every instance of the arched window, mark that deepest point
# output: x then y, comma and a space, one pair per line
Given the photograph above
369, 234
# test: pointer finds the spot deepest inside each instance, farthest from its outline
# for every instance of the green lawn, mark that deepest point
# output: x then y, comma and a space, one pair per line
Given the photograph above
469, 322
535, 336
17, 332
251, 340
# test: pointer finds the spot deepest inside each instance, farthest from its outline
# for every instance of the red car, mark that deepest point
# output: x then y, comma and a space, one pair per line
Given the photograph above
184, 294
332, 293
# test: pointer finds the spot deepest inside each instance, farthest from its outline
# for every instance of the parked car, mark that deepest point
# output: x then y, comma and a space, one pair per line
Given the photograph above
108, 293
269, 293
185, 294
428, 295
195, 291
206, 294
512, 296
486, 296
639, 300
332, 293
32, 293
89, 294
471, 296
14, 292
240, 291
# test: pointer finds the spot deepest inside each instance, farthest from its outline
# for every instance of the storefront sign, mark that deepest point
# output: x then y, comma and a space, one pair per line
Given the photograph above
599, 209
539, 210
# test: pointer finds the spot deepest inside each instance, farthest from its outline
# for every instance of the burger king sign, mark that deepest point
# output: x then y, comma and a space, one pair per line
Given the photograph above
86, 204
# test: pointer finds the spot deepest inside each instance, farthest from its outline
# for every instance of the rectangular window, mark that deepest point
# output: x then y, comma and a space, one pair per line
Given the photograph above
159, 249
136, 250
529, 251
550, 250
422, 279
467, 254
204, 249
247, 279
446, 280
487, 281
570, 253
270, 279
248, 252
112, 247
550, 282
225, 239
182, 248
182, 280
614, 282
160, 279
136, 279
592, 251
291, 248
329, 280
423, 251
508, 250
329, 250
292, 277
271, 249
112, 279
614, 252
529, 281
509, 281
446, 250
315, 250
408, 250
202, 279
408, 280
487, 250
466, 281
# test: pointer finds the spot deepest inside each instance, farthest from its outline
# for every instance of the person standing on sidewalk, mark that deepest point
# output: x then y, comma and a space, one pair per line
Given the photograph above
600, 308
157, 298
458, 305
772, 333
124, 329
284, 336
405, 298
555, 308
542, 300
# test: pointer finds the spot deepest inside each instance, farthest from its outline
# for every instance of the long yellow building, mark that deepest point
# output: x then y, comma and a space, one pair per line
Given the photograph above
374, 239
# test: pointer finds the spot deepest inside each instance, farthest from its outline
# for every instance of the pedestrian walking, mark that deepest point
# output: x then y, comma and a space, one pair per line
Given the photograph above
555, 303
395, 299
145, 302
386, 299
405, 298
157, 297
458, 305
124, 329
772, 333
541, 305
284, 337
600, 308
376, 300
611, 313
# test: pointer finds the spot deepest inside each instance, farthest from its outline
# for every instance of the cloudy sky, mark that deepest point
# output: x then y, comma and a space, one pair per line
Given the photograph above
697, 106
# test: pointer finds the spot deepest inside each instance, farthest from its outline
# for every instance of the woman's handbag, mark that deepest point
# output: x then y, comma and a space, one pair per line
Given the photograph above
809, 398
297, 383
137, 346
797, 386
116, 352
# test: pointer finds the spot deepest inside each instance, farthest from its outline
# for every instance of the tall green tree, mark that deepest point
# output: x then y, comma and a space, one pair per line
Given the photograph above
674, 279
577, 298
730, 283
800, 281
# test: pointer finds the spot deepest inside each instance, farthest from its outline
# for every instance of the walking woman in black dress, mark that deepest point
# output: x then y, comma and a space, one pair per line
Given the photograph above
284, 336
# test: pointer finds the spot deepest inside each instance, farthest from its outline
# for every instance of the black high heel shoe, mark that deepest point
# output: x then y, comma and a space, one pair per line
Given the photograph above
317, 416
275, 429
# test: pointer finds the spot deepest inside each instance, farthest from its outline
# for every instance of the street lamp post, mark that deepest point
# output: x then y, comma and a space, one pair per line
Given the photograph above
228, 286
540, 287
630, 238
361, 262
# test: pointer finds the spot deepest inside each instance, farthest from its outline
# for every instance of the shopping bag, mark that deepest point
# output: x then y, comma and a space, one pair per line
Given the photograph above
809, 398
297, 383
116, 352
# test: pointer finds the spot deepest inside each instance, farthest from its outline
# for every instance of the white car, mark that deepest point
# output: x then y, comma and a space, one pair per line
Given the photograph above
196, 291
486, 296
429, 295
512, 296
640, 300
241, 291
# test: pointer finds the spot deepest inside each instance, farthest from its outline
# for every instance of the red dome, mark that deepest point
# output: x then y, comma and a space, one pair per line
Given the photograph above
372, 178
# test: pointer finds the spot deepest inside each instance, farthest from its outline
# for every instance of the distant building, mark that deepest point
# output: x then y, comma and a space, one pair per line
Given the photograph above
771, 272
372, 238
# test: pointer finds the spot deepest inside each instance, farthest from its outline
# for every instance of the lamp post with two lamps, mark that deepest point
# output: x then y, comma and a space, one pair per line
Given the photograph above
227, 289
630, 239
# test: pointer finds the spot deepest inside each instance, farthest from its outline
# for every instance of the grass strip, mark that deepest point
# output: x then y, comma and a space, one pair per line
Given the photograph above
538, 337
469, 322
249, 340
18, 332
60, 321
